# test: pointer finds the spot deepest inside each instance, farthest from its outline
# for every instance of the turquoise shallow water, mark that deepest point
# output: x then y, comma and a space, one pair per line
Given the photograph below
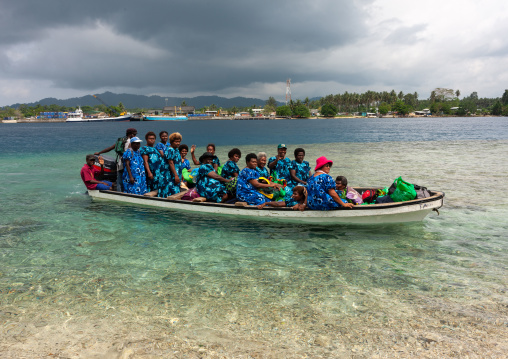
296, 290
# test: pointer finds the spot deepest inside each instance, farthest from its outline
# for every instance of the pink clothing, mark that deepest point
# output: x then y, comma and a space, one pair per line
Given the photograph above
88, 174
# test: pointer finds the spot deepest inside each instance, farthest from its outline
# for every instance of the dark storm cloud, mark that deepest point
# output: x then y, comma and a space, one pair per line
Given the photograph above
200, 45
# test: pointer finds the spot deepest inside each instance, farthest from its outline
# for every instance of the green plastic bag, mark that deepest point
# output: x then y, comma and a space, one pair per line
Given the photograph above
404, 191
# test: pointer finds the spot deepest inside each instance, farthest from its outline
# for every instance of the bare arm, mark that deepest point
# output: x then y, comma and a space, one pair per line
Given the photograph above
105, 150
296, 179
192, 150
172, 168
128, 168
337, 199
258, 184
214, 175
149, 174
272, 204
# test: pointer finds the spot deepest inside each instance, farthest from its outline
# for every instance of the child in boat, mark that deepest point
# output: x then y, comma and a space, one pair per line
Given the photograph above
88, 173
299, 169
208, 183
346, 193
210, 149
295, 198
134, 177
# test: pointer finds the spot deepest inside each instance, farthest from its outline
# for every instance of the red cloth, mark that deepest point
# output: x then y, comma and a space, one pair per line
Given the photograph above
88, 174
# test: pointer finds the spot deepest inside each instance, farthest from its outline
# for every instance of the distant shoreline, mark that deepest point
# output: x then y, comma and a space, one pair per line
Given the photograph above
59, 120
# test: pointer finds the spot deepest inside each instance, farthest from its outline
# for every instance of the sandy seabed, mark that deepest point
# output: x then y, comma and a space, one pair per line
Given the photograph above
366, 324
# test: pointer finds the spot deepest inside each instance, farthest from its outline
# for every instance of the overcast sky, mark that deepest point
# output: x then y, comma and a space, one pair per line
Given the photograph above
68, 48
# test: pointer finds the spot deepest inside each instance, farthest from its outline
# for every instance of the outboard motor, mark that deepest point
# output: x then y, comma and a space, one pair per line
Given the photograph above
109, 168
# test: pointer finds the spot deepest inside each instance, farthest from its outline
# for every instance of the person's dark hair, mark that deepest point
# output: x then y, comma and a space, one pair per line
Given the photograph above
342, 180
298, 150
235, 151
211, 145
183, 147
300, 190
163, 132
148, 134
250, 156
205, 156
130, 130
89, 157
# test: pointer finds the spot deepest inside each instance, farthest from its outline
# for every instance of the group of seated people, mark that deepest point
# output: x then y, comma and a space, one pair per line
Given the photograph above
158, 169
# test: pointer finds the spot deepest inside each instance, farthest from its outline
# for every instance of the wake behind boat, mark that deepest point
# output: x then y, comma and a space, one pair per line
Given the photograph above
397, 212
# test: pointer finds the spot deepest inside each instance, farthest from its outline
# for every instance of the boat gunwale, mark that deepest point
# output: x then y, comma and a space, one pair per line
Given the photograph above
435, 195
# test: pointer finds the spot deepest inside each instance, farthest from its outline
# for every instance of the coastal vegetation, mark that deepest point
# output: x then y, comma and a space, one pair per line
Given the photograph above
441, 102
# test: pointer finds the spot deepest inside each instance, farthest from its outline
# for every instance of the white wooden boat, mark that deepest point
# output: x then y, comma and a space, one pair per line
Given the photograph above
77, 116
409, 211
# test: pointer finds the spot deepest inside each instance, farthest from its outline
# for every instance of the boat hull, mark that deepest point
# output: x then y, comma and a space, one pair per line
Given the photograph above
399, 212
101, 119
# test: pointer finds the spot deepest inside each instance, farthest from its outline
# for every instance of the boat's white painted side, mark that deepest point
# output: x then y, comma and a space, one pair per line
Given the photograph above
410, 211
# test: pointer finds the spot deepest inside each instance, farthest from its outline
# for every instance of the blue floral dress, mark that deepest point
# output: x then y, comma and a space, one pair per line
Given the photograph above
173, 154
229, 169
155, 161
209, 187
245, 191
263, 172
138, 173
301, 171
186, 164
282, 168
317, 193
164, 170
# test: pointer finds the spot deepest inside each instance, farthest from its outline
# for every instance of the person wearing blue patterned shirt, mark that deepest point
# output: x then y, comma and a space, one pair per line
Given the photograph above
296, 199
299, 169
174, 160
153, 162
184, 149
133, 177
231, 170
261, 167
321, 193
248, 184
208, 183
211, 149
280, 164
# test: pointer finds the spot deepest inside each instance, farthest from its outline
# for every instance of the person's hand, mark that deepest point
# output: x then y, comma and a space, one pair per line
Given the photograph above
97, 153
131, 180
304, 183
262, 205
192, 149
299, 207
101, 161
348, 205
149, 176
276, 185
177, 179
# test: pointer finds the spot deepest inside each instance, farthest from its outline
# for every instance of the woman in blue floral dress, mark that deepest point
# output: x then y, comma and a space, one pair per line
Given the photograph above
321, 193
153, 162
261, 167
164, 169
246, 188
299, 169
231, 170
133, 177
184, 149
174, 161
208, 183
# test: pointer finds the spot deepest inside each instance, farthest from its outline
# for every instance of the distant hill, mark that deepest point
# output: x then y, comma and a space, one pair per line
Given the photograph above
151, 102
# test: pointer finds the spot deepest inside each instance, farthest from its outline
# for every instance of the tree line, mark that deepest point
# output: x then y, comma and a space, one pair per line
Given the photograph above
442, 101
